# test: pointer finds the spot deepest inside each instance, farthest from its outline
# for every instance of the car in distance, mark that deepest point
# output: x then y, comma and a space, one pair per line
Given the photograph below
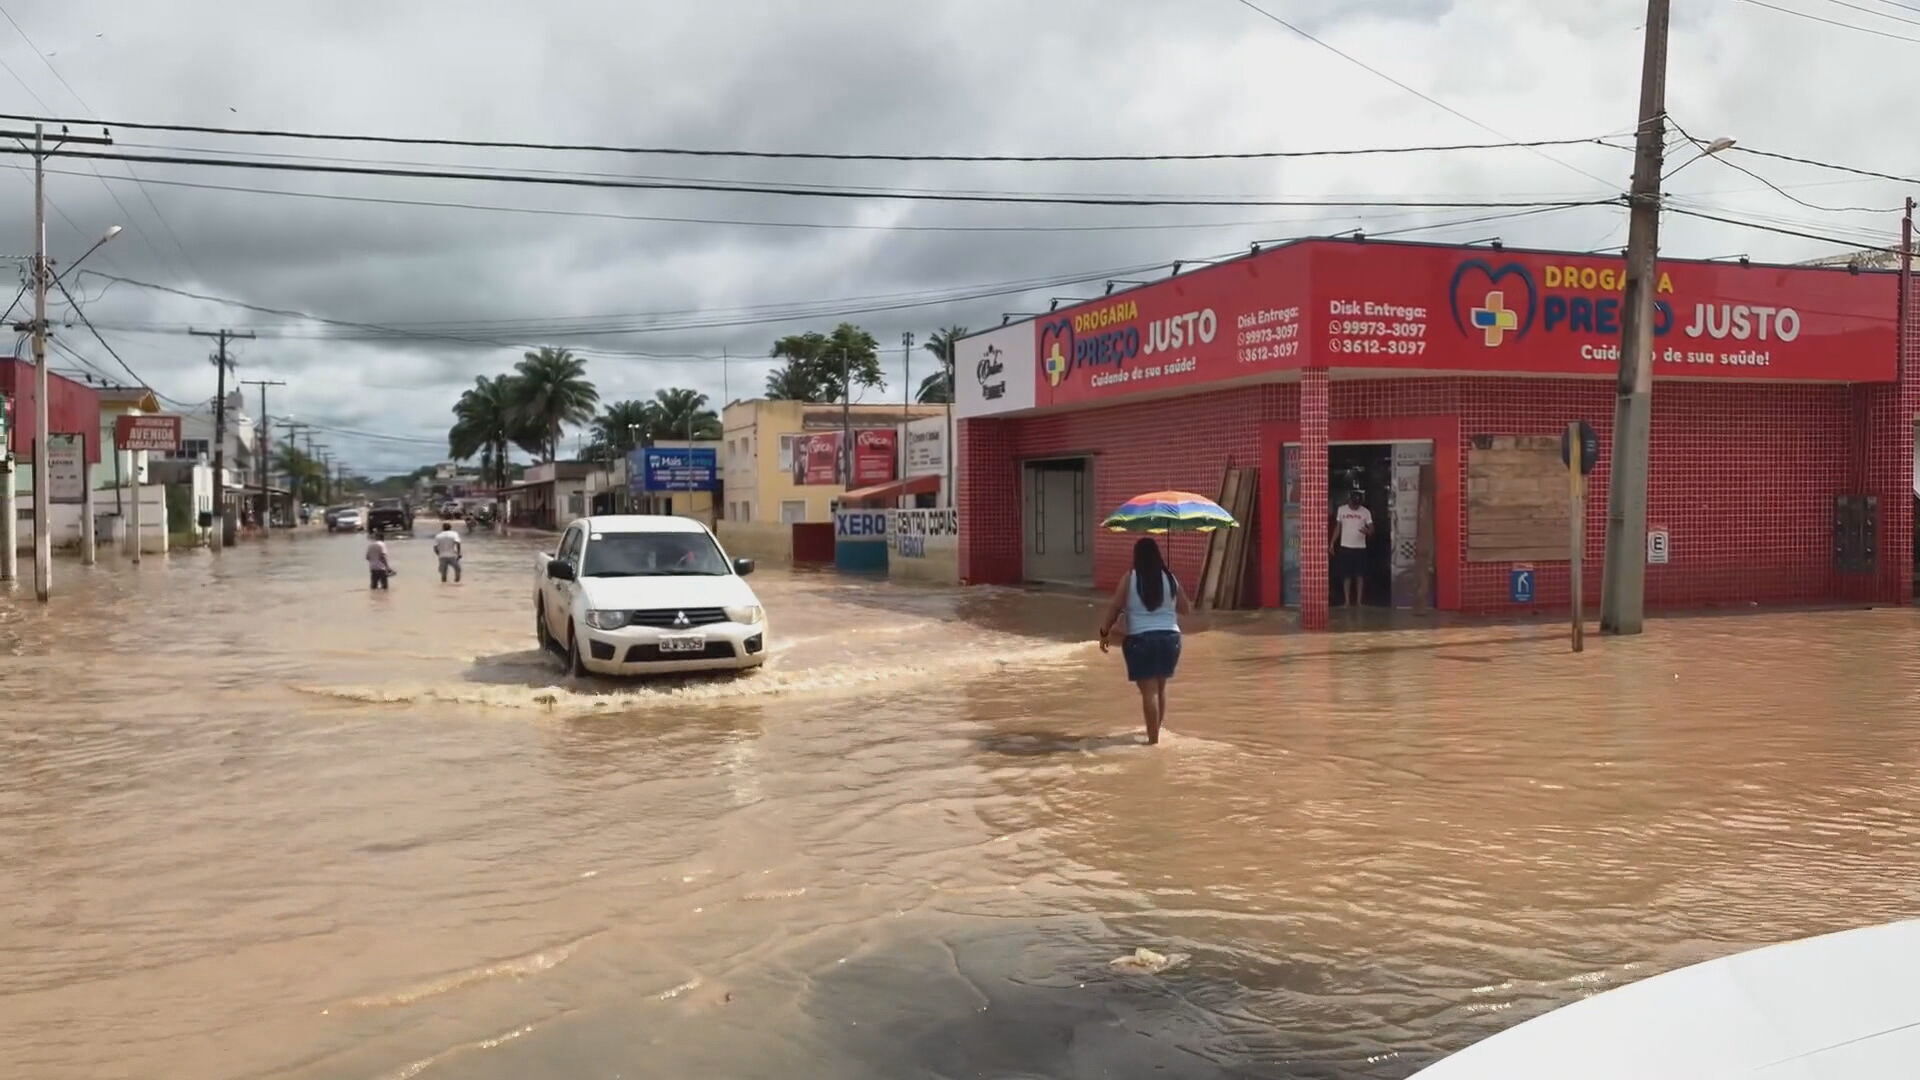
343, 519
643, 594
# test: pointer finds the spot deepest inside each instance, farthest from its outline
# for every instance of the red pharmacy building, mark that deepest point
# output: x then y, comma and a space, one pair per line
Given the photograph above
1436, 381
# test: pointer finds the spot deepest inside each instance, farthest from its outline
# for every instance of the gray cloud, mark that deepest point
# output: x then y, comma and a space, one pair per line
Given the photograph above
968, 76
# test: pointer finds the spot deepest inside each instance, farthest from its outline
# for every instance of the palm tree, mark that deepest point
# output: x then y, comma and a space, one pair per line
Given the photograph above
553, 392
624, 425
487, 423
790, 383
305, 475
683, 414
938, 387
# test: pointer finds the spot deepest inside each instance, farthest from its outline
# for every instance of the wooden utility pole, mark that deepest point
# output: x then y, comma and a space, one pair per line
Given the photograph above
263, 445
220, 432
1623, 584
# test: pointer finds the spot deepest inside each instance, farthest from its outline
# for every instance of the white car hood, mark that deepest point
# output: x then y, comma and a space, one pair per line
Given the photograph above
630, 593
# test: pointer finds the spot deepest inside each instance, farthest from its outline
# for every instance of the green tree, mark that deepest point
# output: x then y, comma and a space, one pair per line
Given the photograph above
624, 425
552, 390
683, 414
819, 366
938, 387
487, 423
306, 476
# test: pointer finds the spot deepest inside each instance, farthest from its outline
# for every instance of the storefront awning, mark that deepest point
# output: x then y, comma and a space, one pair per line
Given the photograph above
893, 489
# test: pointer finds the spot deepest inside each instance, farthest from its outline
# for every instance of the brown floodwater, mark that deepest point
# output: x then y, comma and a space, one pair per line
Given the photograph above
256, 821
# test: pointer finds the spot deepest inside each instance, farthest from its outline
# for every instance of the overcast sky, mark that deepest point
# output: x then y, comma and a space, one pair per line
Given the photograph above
913, 76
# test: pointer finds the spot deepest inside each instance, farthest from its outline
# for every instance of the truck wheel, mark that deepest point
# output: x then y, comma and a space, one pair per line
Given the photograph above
576, 667
540, 626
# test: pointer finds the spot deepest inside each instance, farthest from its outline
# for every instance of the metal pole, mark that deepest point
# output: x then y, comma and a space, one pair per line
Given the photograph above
133, 466
89, 546
264, 447
1623, 585
9, 517
952, 441
1577, 532
42, 514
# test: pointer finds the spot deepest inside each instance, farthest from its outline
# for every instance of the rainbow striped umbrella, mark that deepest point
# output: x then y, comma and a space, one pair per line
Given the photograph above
1169, 511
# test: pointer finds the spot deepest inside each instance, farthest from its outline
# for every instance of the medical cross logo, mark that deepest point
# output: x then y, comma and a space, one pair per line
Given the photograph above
1494, 319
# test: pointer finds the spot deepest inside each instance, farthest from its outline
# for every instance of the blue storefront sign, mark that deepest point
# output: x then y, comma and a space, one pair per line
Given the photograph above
659, 469
1520, 585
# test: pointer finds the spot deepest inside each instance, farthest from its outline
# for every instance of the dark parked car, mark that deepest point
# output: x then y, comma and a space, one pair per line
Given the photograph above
390, 516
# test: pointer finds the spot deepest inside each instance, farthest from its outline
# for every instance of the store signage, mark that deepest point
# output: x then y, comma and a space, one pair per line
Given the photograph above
682, 469
1433, 309
1444, 309
158, 432
994, 371
816, 458
66, 468
860, 525
927, 446
876, 456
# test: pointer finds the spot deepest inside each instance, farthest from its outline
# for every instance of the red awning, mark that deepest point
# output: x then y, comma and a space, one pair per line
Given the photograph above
893, 489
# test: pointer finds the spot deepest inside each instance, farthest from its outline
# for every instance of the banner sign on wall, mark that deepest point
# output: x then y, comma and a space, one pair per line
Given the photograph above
927, 446
66, 468
876, 455
686, 469
1434, 309
816, 458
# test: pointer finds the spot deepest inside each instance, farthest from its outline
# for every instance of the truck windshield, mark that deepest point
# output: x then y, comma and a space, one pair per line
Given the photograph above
653, 555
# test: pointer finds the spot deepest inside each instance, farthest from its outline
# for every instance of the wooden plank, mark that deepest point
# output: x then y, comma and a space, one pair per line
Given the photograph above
1214, 558
1231, 593
1546, 553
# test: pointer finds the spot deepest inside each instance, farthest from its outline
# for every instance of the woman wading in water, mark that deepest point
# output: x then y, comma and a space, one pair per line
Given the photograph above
1152, 602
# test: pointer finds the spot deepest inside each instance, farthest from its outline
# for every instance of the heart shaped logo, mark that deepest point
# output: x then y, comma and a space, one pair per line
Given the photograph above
1056, 350
1495, 304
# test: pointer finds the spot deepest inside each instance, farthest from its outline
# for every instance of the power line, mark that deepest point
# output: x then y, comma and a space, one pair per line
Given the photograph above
750, 223
1782, 231
1777, 189
88, 323
802, 155
1421, 94
1826, 165
1830, 22
765, 189
1882, 14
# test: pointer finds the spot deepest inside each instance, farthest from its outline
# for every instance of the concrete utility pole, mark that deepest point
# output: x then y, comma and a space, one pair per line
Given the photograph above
846, 421
266, 463
294, 429
42, 278
1623, 585
220, 433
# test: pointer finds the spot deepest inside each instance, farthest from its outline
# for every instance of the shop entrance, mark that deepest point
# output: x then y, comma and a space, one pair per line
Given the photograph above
1058, 521
1390, 477
1368, 469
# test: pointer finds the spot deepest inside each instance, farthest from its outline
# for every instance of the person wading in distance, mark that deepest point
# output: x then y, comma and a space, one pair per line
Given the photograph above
1152, 602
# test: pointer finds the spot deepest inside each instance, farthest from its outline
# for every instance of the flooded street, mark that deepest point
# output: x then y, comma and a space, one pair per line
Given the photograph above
256, 821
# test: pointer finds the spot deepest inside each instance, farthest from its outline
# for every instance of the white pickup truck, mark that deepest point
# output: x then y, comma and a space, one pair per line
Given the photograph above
635, 594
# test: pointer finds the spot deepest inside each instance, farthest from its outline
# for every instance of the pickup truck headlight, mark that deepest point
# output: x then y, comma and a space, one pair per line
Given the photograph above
608, 620
746, 614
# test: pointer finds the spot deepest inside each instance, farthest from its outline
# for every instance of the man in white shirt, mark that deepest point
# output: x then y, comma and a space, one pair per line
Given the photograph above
446, 544
1352, 528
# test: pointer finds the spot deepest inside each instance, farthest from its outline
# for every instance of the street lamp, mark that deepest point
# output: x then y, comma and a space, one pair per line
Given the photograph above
42, 513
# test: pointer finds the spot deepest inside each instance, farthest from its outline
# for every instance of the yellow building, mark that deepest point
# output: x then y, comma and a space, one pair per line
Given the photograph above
762, 502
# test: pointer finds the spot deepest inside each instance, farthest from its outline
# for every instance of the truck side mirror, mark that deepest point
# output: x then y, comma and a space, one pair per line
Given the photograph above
560, 570
743, 567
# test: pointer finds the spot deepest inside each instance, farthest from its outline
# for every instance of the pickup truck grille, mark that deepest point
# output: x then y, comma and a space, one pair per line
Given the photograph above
669, 618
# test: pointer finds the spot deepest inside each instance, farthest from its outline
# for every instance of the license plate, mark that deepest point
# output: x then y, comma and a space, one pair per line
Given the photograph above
680, 643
